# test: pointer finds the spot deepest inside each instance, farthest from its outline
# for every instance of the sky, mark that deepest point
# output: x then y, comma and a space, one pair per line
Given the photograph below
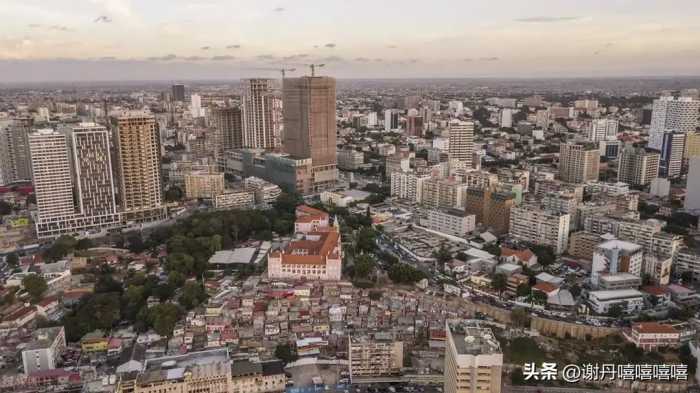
84, 40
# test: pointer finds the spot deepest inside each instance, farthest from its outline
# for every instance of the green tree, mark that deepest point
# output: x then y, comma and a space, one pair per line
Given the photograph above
284, 353
403, 273
12, 259
523, 290
520, 317
442, 255
687, 358
192, 295
63, 246
163, 318
35, 285
539, 297
545, 254
84, 244
364, 266
366, 240
499, 282
174, 194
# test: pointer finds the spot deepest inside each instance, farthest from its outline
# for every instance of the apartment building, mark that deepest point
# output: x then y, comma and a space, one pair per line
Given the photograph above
533, 224
453, 222
374, 356
473, 358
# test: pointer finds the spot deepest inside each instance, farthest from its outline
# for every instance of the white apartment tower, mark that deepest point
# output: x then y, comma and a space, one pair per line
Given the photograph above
669, 113
260, 113
535, 225
578, 163
602, 130
461, 142
473, 358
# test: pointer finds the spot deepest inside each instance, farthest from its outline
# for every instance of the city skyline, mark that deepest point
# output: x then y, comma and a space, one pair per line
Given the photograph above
129, 40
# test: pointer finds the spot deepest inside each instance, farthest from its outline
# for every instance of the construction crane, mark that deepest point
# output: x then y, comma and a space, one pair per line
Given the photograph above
313, 68
283, 71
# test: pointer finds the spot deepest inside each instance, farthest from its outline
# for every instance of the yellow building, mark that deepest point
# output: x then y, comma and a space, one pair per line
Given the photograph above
94, 342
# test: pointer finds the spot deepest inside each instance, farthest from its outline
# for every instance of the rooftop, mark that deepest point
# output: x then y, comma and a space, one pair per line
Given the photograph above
470, 338
616, 294
653, 328
620, 245
242, 255
43, 338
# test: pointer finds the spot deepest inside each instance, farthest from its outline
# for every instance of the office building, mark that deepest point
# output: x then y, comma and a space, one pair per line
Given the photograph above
372, 119
310, 126
138, 154
505, 118
672, 149
196, 110
638, 166
461, 142
629, 300
692, 145
601, 130
408, 186
261, 123
532, 224
578, 163
15, 163
616, 256
675, 114
374, 356
229, 127
45, 349
391, 120
203, 184
234, 199
692, 196
473, 358
290, 173
582, 244
453, 222
178, 93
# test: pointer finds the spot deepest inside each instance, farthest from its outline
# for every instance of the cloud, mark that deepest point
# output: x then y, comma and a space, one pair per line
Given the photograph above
331, 45
378, 60
205, 48
236, 46
265, 57
163, 58
222, 58
362, 59
489, 58
278, 9
467, 59
194, 58
103, 19
34, 25
295, 57
392, 46
107, 58
330, 59
548, 19
60, 28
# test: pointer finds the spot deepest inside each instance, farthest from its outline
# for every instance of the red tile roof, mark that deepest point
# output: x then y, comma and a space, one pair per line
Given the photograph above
544, 287
655, 290
523, 255
653, 328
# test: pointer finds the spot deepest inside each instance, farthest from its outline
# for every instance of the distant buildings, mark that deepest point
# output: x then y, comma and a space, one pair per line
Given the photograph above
44, 351
178, 93
638, 166
203, 184
461, 142
692, 197
601, 130
15, 163
229, 127
578, 163
350, 159
473, 358
672, 150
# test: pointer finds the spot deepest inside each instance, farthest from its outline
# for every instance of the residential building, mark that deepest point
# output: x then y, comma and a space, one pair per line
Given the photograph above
672, 149
658, 267
638, 166
350, 159
203, 184
688, 260
15, 163
261, 123
45, 349
391, 120
532, 224
265, 193
408, 186
473, 358
578, 163
138, 167
310, 126
235, 199
616, 256
178, 93
582, 244
398, 162
374, 356
414, 125
453, 222
676, 114
461, 142
254, 376
613, 281
229, 127
601, 129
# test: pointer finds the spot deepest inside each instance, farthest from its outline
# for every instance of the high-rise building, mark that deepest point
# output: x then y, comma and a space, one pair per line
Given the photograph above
73, 180
535, 225
138, 170
310, 125
461, 142
45, 349
676, 114
196, 109
260, 122
179, 93
692, 197
672, 149
203, 184
692, 145
94, 173
638, 166
414, 125
506, 118
15, 162
229, 127
372, 119
601, 130
473, 358
578, 163
374, 356
391, 120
